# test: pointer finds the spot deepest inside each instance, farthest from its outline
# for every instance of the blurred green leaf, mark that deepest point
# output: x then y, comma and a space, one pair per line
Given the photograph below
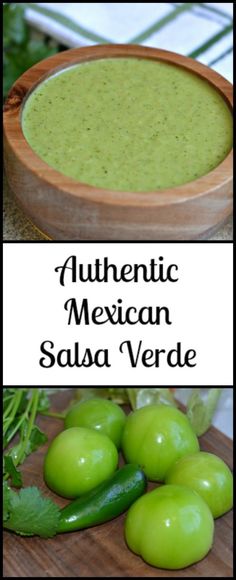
15, 28
37, 50
20, 52
12, 69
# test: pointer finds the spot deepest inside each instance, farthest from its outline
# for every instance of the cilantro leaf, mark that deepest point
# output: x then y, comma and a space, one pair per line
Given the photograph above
36, 439
14, 452
29, 513
7, 493
11, 470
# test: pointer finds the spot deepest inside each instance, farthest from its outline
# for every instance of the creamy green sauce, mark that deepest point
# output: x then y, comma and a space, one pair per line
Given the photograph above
128, 124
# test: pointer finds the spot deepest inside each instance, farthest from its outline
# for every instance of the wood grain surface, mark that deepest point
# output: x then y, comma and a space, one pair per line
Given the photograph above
101, 551
65, 209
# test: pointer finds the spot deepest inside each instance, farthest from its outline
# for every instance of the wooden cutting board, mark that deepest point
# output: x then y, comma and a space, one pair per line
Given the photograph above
101, 551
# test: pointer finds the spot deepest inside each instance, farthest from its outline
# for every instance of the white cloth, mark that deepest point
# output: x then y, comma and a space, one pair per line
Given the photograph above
180, 27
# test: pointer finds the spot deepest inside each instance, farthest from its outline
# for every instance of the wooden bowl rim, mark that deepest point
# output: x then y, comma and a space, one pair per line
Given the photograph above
220, 176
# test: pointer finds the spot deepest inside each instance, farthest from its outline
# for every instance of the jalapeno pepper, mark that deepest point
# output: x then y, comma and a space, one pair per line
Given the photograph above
107, 501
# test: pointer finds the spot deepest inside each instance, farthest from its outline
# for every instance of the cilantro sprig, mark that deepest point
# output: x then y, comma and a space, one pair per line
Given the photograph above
20, 409
27, 512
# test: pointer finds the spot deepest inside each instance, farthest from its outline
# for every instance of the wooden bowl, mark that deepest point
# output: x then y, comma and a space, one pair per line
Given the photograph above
65, 209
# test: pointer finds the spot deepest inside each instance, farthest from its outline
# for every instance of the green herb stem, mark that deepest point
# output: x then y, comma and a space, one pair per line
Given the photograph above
11, 405
132, 394
52, 414
8, 409
7, 398
21, 420
11, 411
34, 404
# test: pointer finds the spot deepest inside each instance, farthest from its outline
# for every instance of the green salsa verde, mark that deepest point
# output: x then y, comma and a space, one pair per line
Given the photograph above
128, 124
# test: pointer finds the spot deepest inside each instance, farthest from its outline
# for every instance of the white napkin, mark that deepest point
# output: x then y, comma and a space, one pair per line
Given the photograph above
204, 31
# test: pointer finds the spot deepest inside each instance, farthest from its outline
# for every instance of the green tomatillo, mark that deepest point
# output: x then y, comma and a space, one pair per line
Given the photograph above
102, 415
209, 476
170, 527
155, 437
78, 460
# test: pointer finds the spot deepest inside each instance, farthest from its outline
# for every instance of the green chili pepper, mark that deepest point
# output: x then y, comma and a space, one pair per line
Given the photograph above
110, 499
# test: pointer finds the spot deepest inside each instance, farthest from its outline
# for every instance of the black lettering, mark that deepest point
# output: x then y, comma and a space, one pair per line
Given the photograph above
50, 356
75, 357
151, 358
128, 345
64, 269
189, 355
174, 358
71, 305
103, 271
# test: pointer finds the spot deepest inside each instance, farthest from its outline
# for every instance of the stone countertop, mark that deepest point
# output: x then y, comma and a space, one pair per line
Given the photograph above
16, 226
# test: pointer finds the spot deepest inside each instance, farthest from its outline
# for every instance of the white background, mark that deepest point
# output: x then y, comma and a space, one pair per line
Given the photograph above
200, 307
